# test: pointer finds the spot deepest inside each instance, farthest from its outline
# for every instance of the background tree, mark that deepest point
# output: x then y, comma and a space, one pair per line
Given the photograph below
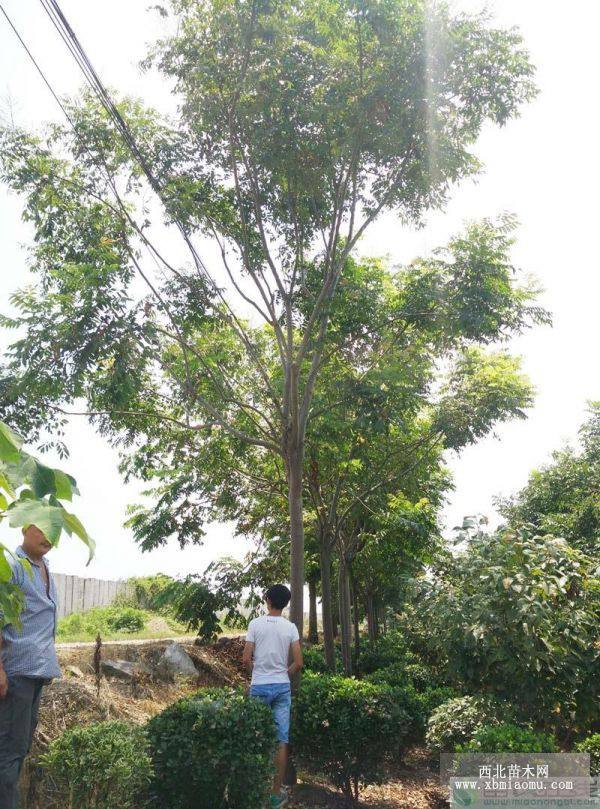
298, 125
563, 497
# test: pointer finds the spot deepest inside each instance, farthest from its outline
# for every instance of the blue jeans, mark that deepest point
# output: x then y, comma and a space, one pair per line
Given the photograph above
278, 696
18, 718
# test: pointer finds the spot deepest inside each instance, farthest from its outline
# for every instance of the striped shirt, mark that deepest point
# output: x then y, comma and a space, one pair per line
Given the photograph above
29, 651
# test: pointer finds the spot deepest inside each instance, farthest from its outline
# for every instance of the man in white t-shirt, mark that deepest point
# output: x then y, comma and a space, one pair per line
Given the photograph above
267, 654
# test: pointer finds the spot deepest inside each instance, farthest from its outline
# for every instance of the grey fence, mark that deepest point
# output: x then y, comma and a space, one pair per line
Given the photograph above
77, 595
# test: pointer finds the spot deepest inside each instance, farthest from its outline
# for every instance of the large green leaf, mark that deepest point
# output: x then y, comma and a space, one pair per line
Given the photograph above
65, 485
5, 568
48, 518
10, 444
5, 483
73, 525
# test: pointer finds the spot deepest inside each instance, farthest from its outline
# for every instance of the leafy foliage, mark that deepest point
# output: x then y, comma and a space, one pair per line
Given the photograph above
127, 619
562, 497
148, 588
456, 721
298, 125
509, 738
212, 749
31, 494
196, 603
521, 608
348, 728
104, 765
591, 745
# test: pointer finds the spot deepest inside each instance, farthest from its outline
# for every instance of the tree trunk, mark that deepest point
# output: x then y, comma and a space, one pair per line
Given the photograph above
356, 621
327, 606
313, 628
345, 616
295, 468
371, 617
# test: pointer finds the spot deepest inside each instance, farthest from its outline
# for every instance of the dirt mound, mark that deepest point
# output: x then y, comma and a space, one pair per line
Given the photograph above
76, 700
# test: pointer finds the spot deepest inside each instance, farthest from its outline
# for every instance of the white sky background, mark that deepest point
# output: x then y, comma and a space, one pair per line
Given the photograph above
543, 167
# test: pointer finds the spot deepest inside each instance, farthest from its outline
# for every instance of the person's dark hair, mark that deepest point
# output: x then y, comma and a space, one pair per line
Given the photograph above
279, 596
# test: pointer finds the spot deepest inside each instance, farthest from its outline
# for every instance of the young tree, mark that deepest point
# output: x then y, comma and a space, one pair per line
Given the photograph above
298, 125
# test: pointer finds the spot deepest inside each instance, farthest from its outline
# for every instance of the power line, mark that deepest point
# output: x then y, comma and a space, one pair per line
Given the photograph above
69, 37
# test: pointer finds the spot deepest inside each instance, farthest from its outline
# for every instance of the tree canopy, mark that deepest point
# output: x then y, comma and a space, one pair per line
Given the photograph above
298, 124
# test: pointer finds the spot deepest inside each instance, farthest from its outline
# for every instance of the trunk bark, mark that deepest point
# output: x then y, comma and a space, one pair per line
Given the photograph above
345, 616
371, 617
295, 468
313, 628
356, 621
327, 606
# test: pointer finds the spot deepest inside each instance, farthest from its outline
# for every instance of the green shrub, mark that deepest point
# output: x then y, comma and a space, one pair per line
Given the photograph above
147, 589
105, 765
103, 620
314, 659
432, 698
212, 749
456, 721
347, 728
386, 651
127, 619
406, 697
591, 745
517, 616
509, 738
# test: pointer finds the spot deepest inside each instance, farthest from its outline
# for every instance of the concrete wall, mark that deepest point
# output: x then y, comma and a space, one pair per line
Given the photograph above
78, 595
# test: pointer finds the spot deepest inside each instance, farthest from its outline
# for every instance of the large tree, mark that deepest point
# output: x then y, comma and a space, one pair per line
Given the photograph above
405, 376
298, 125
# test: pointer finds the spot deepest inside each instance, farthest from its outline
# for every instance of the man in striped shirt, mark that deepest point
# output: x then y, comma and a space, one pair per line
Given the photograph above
27, 661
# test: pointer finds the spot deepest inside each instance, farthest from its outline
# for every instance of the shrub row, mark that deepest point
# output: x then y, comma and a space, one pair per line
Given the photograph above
215, 748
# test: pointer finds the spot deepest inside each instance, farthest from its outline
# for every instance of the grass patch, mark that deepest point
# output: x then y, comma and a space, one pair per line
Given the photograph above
117, 623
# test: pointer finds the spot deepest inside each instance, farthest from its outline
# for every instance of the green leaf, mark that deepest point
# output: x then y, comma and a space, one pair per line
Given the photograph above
5, 484
42, 480
10, 444
5, 568
49, 519
3, 502
73, 525
65, 485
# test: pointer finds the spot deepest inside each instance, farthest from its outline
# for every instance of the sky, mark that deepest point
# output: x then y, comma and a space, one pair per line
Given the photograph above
543, 167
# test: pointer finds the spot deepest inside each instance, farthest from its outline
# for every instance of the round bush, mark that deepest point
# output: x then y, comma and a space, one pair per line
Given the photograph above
509, 738
105, 765
212, 749
347, 728
456, 721
127, 619
591, 745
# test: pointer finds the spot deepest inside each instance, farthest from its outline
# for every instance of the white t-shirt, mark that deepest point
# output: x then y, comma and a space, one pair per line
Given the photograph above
272, 636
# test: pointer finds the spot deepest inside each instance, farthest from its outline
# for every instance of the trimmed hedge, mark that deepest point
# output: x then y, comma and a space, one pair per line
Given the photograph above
348, 728
212, 749
104, 765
